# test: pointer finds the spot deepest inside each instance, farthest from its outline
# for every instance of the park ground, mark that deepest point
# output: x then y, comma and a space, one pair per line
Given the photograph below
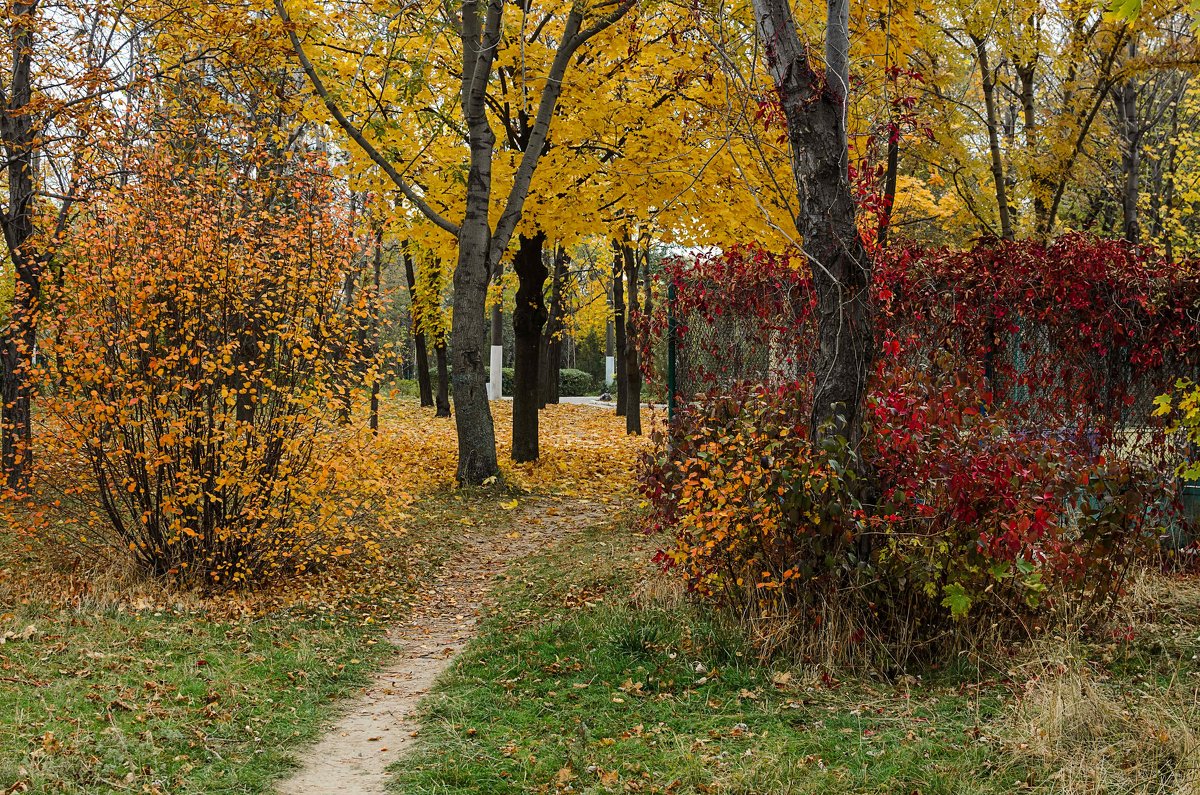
589, 670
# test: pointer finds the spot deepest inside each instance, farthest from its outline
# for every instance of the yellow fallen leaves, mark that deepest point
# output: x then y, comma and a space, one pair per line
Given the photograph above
584, 450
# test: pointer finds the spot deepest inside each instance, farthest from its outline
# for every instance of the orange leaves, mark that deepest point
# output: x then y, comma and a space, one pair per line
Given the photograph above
199, 369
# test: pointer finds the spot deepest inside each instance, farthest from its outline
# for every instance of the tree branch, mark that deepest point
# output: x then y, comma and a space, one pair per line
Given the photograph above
355, 134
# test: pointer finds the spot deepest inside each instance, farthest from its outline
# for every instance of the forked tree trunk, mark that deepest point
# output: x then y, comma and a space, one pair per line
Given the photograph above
815, 110
633, 372
424, 383
480, 247
529, 316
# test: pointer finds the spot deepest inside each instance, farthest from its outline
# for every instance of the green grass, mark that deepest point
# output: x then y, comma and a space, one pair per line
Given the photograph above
122, 701
112, 694
574, 686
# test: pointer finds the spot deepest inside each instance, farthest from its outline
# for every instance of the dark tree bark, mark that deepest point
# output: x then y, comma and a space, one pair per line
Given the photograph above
633, 372
889, 185
19, 340
814, 109
376, 325
993, 129
529, 317
551, 348
443, 387
424, 384
618, 301
346, 388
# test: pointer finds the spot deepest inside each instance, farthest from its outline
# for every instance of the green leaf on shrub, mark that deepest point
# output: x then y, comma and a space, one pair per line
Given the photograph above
957, 600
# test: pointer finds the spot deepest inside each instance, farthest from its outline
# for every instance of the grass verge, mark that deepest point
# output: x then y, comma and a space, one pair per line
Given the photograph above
594, 677
106, 688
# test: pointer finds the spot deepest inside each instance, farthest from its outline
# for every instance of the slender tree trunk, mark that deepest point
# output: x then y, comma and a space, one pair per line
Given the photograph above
1025, 74
1125, 97
815, 111
993, 125
443, 386
633, 372
19, 341
528, 317
377, 300
551, 348
345, 388
618, 301
424, 384
889, 184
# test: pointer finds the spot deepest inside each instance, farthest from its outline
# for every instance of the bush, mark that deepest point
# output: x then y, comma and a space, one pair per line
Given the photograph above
962, 519
204, 345
981, 518
1182, 410
507, 379
757, 513
574, 383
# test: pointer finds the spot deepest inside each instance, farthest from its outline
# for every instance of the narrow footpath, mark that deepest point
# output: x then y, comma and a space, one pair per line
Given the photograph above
379, 726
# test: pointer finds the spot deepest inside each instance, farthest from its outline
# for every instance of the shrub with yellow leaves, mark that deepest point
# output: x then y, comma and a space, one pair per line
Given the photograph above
206, 330
1182, 409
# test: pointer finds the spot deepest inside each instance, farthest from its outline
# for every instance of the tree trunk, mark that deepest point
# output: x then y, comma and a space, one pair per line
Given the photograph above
528, 318
815, 112
19, 341
618, 301
551, 348
376, 327
1025, 73
443, 371
993, 125
346, 387
424, 384
468, 335
1125, 98
889, 184
633, 373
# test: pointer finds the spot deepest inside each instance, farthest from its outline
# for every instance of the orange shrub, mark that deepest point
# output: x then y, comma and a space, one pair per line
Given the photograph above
204, 332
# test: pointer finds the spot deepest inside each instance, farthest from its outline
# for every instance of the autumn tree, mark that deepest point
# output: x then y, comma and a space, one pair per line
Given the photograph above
477, 30
65, 59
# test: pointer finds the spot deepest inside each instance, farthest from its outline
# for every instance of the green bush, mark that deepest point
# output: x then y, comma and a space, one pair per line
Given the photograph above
574, 383
506, 379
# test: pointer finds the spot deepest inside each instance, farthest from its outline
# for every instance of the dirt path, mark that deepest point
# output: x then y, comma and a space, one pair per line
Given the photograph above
378, 727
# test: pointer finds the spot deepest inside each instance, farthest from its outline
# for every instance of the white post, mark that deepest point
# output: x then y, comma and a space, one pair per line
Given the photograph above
610, 369
495, 386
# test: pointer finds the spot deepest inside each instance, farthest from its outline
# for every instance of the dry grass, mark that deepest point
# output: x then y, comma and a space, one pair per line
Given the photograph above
1121, 718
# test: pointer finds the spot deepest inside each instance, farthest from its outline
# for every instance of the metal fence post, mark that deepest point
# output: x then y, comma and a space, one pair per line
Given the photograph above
671, 350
